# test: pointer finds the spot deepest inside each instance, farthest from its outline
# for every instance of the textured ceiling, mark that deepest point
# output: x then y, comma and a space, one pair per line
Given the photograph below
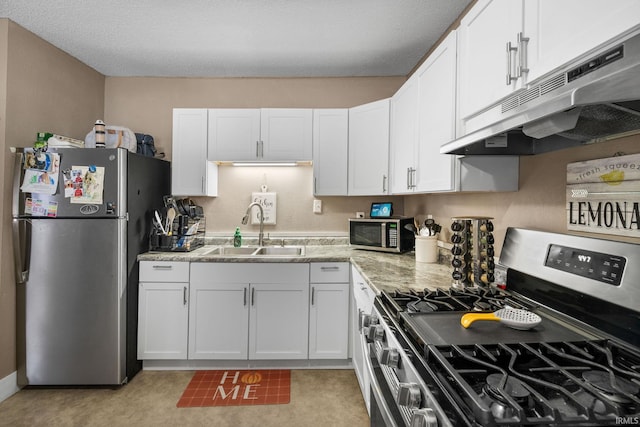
240, 38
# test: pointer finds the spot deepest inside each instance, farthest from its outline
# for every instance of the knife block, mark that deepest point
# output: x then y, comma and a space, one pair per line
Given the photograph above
472, 251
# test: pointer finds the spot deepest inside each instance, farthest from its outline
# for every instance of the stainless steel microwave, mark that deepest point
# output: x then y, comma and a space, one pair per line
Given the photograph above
381, 234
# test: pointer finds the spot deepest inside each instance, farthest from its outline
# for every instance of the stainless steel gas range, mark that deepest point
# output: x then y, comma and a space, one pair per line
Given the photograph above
580, 366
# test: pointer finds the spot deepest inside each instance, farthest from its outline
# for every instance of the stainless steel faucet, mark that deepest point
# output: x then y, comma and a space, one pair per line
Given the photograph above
245, 219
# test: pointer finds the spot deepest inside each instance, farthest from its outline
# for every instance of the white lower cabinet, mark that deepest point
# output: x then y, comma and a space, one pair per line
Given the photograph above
329, 311
250, 311
163, 310
278, 321
219, 319
362, 303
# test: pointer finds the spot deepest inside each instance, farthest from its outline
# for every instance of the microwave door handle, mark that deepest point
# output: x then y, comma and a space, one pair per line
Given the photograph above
383, 227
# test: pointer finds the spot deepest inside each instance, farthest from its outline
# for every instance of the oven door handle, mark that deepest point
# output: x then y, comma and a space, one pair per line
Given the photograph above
375, 386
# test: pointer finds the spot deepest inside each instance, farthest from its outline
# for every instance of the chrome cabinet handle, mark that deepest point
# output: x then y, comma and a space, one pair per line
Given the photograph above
253, 296
384, 183
510, 50
257, 149
184, 296
162, 267
313, 294
244, 298
411, 174
523, 43
330, 268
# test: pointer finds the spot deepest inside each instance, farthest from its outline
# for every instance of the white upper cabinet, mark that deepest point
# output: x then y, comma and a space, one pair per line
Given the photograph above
286, 133
486, 67
330, 151
560, 31
505, 46
191, 173
234, 133
436, 80
403, 140
268, 134
369, 149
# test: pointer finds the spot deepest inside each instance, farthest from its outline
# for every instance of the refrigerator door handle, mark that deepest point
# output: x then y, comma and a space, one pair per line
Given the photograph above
21, 248
17, 175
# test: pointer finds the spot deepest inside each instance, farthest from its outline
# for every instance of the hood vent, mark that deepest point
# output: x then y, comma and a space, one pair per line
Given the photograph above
592, 101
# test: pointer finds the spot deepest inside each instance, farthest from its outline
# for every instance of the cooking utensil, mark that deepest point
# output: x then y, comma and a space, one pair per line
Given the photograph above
171, 215
513, 317
159, 220
411, 228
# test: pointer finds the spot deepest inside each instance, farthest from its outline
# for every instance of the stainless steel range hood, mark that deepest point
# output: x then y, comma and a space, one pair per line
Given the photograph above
591, 100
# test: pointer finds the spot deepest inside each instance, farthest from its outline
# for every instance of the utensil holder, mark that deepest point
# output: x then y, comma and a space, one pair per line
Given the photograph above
426, 249
187, 234
472, 251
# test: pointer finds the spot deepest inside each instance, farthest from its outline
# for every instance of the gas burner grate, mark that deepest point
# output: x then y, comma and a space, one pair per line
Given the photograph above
567, 383
438, 300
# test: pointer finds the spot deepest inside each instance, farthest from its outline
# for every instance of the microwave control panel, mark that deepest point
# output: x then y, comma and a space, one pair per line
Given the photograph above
393, 235
602, 267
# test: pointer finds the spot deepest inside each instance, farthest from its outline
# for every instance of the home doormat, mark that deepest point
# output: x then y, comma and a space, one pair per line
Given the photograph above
237, 387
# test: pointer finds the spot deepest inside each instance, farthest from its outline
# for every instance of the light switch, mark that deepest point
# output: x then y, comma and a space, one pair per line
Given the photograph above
317, 206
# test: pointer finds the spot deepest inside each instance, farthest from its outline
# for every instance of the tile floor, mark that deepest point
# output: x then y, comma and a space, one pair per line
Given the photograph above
330, 398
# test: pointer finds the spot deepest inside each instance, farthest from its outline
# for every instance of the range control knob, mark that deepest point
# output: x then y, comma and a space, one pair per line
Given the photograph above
409, 395
390, 357
367, 320
424, 418
375, 333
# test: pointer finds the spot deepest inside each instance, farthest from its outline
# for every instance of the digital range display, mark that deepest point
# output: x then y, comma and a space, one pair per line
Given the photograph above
605, 268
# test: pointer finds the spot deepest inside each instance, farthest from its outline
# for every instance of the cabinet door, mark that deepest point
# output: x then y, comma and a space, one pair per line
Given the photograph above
330, 150
482, 53
436, 118
219, 321
369, 149
286, 134
234, 134
562, 31
162, 320
362, 302
329, 321
191, 173
279, 321
403, 138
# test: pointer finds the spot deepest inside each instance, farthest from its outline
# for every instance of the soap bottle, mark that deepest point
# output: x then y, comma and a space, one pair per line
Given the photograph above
237, 238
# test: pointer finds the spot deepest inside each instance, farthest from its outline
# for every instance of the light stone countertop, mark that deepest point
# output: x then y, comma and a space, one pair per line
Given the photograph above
383, 271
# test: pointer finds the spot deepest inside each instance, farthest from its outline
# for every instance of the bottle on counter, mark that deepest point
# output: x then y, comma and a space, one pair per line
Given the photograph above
237, 238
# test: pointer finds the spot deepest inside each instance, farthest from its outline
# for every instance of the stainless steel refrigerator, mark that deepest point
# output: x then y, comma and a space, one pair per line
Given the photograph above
80, 218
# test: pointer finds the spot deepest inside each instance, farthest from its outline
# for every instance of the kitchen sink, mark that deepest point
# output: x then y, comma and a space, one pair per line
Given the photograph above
263, 251
280, 250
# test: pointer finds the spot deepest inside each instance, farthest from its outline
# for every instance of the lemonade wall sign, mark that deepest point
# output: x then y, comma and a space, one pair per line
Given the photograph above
603, 196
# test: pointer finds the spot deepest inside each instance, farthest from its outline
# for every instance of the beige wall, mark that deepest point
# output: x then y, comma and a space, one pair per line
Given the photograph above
41, 89
540, 202
146, 104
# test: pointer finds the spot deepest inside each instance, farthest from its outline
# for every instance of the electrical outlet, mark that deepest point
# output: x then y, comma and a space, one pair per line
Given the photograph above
317, 206
359, 214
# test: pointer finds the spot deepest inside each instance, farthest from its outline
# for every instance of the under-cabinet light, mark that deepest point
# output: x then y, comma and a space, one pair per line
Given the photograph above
264, 164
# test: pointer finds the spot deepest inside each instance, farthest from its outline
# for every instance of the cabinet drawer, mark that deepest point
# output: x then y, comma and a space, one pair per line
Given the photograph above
330, 272
164, 271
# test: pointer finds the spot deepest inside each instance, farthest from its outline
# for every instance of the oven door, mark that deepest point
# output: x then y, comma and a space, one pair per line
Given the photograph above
382, 407
399, 397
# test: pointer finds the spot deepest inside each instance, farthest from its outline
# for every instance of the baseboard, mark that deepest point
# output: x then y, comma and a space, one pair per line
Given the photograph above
9, 386
182, 365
